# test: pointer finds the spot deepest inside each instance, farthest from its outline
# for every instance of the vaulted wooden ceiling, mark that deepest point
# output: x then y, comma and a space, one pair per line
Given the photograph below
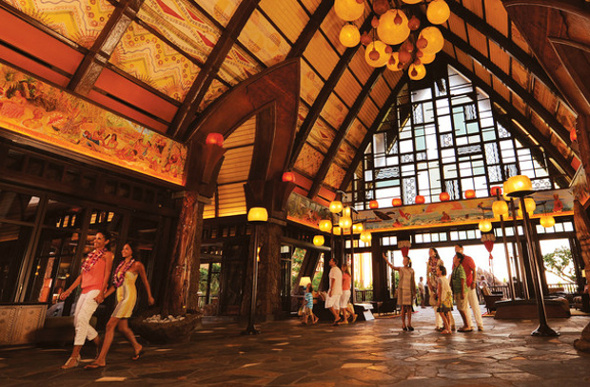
161, 63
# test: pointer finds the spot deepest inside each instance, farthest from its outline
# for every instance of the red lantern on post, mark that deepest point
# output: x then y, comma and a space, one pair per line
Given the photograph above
289, 177
396, 202
469, 194
419, 199
444, 196
373, 204
214, 139
495, 191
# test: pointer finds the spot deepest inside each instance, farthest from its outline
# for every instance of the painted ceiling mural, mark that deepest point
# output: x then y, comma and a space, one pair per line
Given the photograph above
43, 112
78, 20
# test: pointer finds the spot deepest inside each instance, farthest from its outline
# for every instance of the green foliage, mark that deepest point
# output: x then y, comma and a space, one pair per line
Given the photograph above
560, 263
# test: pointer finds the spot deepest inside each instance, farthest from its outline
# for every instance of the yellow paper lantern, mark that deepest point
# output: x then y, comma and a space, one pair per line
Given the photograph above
345, 222
390, 32
325, 225
485, 226
318, 240
357, 228
428, 58
438, 12
350, 35
416, 72
530, 205
257, 214
547, 221
412, 1
366, 236
349, 10
393, 64
336, 206
434, 38
337, 230
517, 186
378, 47
347, 211
500, 207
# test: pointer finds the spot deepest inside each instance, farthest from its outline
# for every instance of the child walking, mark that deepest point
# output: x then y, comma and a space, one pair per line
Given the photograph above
308, 305
445, 301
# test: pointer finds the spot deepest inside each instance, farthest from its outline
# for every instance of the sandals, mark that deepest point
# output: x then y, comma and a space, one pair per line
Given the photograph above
72, 362
354, 317
93, 366
465, 330
138, 354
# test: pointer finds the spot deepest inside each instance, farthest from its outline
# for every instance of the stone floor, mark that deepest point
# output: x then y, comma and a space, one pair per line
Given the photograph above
367, 353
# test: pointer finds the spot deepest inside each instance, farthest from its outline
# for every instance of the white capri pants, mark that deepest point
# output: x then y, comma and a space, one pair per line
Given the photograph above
344, 298
85, 308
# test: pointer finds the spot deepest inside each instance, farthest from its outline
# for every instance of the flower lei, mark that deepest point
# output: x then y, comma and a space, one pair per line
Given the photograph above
92, 258
119, 275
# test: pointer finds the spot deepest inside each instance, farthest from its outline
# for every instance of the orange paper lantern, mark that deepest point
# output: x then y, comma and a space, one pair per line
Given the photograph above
419, 199
469, 194
214, 139
373, 204
444, 196
396, 202
289, 177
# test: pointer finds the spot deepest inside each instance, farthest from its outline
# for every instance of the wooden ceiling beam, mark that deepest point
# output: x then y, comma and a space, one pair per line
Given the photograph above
527, 97
360, 154
96, 59
310, 29
322, 98
528, 61
184, 116
513, 113
343, 131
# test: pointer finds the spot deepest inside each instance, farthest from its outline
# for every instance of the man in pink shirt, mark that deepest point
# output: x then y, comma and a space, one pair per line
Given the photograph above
469, 267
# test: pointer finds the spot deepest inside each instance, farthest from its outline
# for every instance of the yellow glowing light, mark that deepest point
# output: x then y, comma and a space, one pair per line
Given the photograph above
346, 222
325, 225
336, 206
257, 214
530, 205
390, 32
350, 35
434, 38
366, 236
349, 10
485, 226
547, 221
318, 240
500, 207
378, 47
417, 72
438, 12
518, 184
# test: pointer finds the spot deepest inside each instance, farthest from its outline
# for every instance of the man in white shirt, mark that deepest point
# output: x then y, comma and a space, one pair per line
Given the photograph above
335, 291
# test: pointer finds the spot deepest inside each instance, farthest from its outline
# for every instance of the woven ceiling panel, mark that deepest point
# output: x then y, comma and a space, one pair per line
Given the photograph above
311, 83
288, 15
457, 26
368, 113
499, 57
321, 136
496, 15
309, 161
520, 74
321, 55
222, 11
348, 88
380, 91
357, 133
482, 73
334, 111
474, 6
359, 66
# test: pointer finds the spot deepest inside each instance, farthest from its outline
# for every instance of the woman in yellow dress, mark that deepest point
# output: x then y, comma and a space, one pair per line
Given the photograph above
124, 283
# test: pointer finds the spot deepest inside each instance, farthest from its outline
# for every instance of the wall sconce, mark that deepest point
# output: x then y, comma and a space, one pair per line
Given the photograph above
214, 139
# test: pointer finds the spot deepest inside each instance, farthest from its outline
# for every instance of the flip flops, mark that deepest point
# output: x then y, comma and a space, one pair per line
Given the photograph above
93, 366
138, 354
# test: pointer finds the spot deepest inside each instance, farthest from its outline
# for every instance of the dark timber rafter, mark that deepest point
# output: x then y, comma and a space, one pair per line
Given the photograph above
528, 61
89, 70
310, 29
210, 69
343, 130
322, 98
360, 154
513, 113
529, 99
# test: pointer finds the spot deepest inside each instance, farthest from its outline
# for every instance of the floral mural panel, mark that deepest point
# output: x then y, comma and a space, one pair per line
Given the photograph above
263, 40
305, 211
458, 212
183, 24
35, 109
146, 57
77, 20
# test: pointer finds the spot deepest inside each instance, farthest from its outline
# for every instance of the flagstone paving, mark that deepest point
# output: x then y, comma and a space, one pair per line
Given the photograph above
374, 353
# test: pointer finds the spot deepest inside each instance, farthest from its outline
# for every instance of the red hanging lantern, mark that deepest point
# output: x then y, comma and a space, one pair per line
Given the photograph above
289, 177
444, 196
373, 204
214, 139
495, 191
469, 194
573, 135
396, 202
419, 199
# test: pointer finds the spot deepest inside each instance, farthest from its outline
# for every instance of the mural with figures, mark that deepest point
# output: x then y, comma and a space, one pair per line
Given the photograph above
554, 202
305, 211
43, 112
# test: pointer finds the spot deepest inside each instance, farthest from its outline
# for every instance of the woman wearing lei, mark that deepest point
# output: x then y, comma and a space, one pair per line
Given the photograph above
93, 279
124, 283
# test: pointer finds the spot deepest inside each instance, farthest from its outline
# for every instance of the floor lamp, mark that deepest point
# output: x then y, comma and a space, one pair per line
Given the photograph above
256, 215
518, 187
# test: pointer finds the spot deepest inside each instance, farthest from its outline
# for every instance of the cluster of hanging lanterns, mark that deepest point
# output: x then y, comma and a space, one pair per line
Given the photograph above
345, 223
398, 27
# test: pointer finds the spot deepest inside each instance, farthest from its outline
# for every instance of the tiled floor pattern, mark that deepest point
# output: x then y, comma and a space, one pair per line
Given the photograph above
374, 353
